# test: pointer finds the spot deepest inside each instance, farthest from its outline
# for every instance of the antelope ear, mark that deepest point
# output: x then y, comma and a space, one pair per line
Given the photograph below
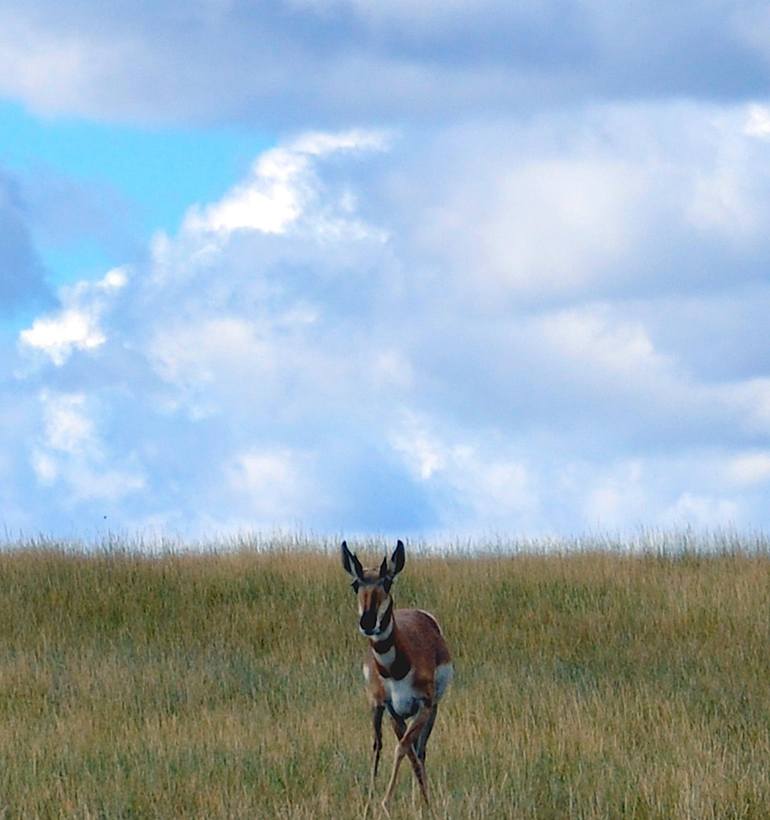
397, 560
350, 563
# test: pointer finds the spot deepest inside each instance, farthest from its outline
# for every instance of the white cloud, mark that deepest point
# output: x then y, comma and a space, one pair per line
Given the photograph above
67, 425
539, 228
231, 364
703, 512
57, 336
201, 353
596, 340
45, 466
77, 326
479, 486
587, 205
270, 203
392, 369
750, 399
424, 455
282, 187
556, 224
278, 485
45, 73
758, 122
71, 451
749, 468
321, 143
617, 500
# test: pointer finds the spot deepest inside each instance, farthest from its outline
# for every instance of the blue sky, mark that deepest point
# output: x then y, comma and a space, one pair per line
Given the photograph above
412, 269
149, 175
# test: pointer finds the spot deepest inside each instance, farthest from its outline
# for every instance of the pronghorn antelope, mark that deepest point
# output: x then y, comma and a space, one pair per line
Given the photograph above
407, 668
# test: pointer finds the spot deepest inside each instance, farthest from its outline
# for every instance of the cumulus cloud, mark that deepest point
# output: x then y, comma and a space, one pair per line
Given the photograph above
462, 334
535, 301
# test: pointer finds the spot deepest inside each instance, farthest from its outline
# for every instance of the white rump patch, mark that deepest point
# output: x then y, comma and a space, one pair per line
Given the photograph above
443, 677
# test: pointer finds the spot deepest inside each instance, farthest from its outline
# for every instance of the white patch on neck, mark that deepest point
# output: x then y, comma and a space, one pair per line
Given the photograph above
387, 658
382, 636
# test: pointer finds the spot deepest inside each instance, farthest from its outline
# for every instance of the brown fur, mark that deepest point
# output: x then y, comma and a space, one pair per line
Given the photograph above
417, 636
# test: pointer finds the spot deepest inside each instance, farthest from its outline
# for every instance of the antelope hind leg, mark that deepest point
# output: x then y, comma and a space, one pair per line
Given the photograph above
422, 741
405, 747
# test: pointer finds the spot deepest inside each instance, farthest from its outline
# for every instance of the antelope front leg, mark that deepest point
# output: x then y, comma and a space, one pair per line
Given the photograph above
405, 747
377, 713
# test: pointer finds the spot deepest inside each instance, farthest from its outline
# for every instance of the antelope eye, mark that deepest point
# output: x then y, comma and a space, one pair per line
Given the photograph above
355, 586
386, 584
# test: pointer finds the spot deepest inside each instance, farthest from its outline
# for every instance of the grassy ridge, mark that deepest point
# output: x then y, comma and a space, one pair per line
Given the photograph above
589, 685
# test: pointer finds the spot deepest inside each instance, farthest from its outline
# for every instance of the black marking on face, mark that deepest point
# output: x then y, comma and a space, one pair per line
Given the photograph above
369, 616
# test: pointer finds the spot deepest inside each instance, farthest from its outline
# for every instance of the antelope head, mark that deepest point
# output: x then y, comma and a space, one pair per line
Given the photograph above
372, 588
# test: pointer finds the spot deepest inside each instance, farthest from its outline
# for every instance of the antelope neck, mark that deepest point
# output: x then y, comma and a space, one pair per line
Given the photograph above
386, 637
391, 661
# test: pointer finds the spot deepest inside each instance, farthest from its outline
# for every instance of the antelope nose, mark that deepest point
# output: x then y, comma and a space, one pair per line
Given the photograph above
369, 620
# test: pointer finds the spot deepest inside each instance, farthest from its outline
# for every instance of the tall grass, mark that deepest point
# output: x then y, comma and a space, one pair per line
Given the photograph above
589, 684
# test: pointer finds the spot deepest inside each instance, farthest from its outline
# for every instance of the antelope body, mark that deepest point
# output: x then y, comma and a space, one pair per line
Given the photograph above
407, 669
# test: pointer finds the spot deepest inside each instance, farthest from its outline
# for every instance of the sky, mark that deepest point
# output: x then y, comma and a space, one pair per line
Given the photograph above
409, 269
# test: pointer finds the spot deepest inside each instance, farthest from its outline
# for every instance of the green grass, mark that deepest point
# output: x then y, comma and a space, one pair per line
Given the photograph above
589, 684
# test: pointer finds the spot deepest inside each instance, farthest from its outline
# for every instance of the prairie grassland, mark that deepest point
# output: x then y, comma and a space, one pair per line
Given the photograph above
588, 685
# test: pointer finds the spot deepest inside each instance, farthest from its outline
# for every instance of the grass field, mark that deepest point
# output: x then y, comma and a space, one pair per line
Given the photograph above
589, 684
